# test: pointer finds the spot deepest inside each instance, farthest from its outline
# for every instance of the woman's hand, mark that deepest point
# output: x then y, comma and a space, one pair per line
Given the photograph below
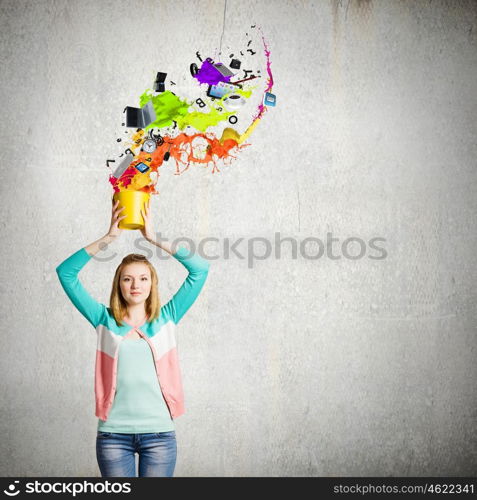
114, 230
147, 230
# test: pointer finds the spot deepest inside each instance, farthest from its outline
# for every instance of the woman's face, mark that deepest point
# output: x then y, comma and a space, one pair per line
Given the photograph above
135, 283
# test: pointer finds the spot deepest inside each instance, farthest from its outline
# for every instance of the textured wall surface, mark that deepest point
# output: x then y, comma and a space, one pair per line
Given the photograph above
291, 366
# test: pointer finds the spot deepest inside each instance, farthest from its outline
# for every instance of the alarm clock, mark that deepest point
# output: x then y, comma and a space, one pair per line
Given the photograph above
149, 146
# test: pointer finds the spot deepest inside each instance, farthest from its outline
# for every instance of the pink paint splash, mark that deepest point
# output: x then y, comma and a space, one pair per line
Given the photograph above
262, 108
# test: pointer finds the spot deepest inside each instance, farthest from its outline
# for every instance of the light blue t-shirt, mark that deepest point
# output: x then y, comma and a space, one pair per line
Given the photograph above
139, 406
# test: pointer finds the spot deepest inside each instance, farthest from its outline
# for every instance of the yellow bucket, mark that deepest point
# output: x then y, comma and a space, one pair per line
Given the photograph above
133, 202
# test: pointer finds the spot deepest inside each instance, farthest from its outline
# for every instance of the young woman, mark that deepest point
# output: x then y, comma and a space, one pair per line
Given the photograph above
138, 387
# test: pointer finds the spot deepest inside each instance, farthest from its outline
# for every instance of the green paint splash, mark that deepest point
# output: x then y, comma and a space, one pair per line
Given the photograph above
170, 108
202, 121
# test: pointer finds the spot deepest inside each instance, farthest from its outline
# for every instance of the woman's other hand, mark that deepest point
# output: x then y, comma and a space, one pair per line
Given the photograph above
147, 230
114, 230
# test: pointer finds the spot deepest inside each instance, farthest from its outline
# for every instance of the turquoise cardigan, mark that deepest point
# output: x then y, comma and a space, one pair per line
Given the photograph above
159, 334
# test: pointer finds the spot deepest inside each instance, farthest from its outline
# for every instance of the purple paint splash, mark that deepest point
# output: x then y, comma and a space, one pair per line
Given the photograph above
209, 74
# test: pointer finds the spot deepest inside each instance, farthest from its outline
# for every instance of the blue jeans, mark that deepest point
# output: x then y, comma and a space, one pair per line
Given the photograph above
116, 454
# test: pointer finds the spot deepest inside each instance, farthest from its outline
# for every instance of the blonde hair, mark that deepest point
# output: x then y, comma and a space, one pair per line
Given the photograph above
119, 306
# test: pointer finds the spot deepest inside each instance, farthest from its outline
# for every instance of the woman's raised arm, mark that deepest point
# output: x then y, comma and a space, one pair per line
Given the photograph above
197, 266
110, 236
69, 269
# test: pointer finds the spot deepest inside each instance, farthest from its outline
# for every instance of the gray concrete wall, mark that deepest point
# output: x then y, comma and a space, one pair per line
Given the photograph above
293, 367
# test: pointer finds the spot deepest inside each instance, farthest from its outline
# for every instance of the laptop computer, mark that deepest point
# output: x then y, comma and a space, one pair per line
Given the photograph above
140, 117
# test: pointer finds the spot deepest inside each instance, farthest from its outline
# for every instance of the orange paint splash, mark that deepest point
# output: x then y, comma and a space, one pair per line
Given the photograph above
183, 151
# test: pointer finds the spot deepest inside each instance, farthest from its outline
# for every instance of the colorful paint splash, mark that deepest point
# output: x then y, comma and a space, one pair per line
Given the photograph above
184, 132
